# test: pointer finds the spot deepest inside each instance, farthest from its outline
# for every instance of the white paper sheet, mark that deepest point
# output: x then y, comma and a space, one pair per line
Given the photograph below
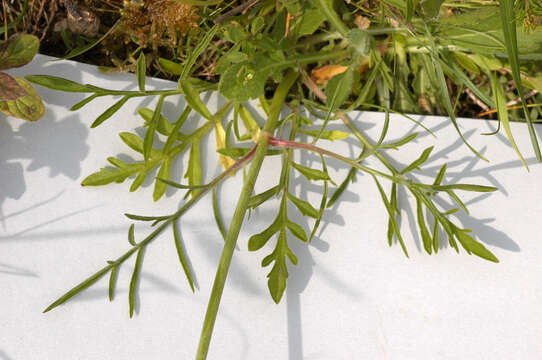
350, 297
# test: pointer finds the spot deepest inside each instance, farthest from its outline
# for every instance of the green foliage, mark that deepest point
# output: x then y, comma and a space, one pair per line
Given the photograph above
265, 52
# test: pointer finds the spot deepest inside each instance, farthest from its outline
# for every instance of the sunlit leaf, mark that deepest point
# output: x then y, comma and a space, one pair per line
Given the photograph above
304, 207
18, 50
28, 107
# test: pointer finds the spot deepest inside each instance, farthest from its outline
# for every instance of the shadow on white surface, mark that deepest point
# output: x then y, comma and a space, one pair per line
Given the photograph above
4, 355
56, 145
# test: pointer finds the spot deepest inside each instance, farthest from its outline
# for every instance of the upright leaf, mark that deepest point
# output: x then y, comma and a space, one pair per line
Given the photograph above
508, 18
502, 112
149, 135
193, 99
141, 71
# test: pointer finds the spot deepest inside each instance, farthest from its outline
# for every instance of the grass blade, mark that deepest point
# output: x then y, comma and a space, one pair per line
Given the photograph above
508, 18
502, 112
443, 90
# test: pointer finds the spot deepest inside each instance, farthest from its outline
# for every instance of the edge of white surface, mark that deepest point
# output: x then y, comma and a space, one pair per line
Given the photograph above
331, 269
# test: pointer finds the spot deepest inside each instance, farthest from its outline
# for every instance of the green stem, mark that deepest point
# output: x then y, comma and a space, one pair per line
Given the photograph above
396, 177
239, 214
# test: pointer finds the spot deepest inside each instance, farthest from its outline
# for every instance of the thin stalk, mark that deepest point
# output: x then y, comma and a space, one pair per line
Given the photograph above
239, 214
397, 178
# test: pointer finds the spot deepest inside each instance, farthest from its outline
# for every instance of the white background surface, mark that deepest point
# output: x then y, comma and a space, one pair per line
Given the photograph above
351, 296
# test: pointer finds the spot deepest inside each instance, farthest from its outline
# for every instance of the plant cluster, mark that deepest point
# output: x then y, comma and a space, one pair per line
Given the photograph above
325, 57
